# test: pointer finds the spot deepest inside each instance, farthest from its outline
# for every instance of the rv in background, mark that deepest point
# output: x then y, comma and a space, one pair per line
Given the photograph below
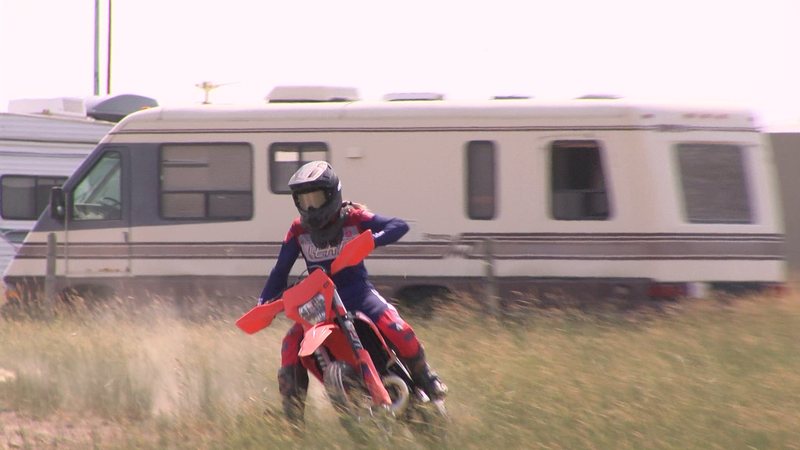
786, 146
588, 197
42, 141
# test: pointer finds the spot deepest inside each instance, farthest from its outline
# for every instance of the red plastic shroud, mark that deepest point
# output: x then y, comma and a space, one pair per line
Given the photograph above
352, 253
326, 332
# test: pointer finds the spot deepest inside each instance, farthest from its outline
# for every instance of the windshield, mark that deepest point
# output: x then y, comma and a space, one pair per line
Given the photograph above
99, 195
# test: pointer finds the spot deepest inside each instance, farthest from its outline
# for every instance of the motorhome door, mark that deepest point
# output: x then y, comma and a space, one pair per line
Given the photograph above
98, 217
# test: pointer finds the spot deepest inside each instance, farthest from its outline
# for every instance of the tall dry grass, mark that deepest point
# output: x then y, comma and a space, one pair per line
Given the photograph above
701, 374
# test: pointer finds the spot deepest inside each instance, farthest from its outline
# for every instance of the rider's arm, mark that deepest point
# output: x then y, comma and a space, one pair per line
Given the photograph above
385, 230
279, 277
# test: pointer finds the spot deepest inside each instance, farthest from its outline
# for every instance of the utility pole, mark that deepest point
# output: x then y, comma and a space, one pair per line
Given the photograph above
96, 47
108, 66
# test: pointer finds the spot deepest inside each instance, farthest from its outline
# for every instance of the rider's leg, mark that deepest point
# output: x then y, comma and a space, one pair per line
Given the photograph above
425, 376
292, 376
405, 341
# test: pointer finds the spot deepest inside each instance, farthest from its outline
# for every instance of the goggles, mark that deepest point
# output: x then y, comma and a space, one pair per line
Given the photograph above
312, 199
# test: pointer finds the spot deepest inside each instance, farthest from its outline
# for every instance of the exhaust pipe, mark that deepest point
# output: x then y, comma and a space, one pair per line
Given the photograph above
396, 385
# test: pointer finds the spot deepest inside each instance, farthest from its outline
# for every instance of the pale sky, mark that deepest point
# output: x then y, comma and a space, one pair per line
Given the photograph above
744, 53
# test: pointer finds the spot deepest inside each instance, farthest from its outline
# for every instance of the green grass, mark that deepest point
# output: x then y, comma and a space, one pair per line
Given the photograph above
699, 375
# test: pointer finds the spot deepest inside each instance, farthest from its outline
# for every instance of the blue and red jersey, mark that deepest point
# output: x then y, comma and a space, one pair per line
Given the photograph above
351, 282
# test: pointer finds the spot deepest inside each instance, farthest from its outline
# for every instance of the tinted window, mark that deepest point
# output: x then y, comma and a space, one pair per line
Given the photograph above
15, 236
286, 157
24, 197
577, 181
714, 183
206, 181
480, 162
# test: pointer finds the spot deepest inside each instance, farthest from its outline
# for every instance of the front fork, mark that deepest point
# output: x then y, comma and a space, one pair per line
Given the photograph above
373, 380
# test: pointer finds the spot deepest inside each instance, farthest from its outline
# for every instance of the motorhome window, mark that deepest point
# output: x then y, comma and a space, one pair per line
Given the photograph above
98, 196
714, 182
286, 157
15, 236
480, 162
24, 197
206, 181
578, 182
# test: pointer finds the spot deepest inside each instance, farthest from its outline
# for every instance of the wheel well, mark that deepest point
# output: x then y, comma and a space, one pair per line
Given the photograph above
87, 293
423, 298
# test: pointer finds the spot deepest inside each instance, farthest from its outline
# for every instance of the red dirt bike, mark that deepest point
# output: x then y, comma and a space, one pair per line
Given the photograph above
363, 376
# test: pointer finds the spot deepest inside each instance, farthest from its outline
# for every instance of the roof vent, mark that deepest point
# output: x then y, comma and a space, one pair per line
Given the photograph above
65, 106
413, 96
113, 108
599, 97
312, 94
511, 97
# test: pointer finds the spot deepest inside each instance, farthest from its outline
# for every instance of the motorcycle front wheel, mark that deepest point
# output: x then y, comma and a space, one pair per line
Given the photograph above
429, 420
349, 395
345, 388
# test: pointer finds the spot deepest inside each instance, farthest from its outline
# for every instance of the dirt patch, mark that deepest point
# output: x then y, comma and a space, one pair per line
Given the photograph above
57, 431
6, 375
19, 431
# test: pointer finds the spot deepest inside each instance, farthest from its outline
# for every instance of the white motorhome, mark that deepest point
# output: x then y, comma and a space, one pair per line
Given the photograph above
42, 141
38, 152
786, 146
600, 196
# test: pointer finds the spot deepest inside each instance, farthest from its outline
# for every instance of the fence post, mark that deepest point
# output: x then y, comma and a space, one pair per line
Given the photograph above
50, 277
490, 287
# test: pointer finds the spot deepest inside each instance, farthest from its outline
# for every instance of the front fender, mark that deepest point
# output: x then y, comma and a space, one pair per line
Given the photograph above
314, 337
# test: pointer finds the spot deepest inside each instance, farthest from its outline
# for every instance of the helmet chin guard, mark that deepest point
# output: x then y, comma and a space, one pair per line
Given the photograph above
329, 235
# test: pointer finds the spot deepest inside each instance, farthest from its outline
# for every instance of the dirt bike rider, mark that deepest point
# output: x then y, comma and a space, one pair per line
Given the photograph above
326, 222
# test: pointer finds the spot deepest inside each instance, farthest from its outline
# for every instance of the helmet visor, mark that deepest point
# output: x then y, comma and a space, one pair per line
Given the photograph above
313, 199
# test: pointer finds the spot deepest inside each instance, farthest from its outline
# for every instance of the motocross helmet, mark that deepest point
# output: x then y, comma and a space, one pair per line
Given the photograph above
317, 194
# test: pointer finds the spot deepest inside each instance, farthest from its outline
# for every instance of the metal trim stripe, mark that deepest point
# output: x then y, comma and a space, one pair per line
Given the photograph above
635, 258
621, 236
631, 247
50, 141
659, 128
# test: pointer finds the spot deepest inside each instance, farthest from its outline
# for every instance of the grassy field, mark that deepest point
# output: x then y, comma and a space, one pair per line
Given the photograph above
710, 374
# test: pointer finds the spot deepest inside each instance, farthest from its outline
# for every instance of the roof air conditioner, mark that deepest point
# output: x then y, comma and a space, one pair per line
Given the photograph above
64, 106
113, 108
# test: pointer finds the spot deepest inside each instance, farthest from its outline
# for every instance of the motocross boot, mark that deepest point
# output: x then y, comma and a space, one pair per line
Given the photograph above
422, 375
293, 386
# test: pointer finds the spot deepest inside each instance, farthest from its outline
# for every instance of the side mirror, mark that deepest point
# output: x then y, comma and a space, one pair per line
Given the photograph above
58, 208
